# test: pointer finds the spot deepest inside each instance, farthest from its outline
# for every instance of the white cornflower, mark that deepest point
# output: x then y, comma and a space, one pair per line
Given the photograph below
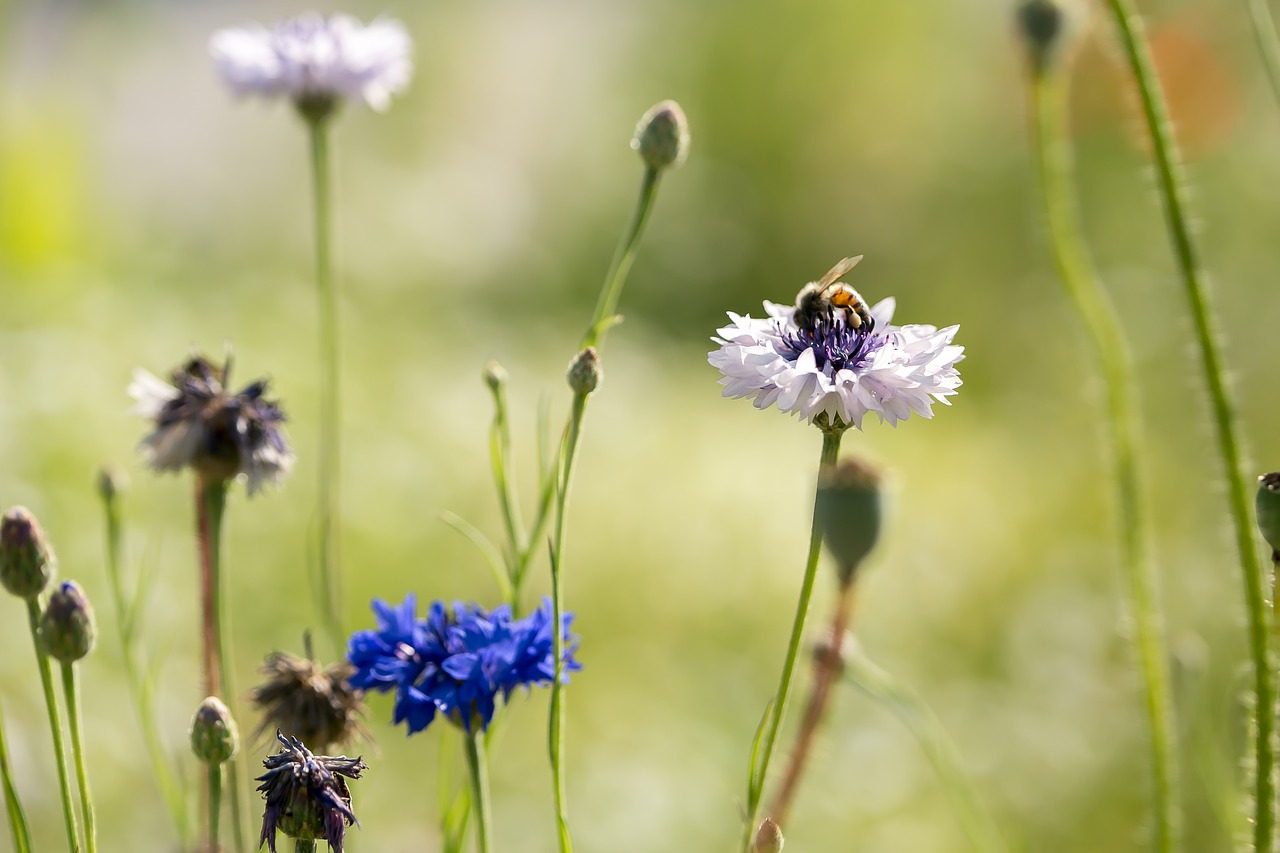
315, 60
835, 365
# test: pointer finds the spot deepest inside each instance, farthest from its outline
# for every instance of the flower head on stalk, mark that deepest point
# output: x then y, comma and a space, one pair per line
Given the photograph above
316, 61
307, 795
830, 359
200, 425
315, 704
456, 662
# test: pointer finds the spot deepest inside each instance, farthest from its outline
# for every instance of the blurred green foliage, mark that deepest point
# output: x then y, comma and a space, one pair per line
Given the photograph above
143, 212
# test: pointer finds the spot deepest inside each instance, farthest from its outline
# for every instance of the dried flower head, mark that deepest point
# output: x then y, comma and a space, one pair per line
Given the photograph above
307, 795
200, 425
457, 663
831, 360
315, 704
316, 61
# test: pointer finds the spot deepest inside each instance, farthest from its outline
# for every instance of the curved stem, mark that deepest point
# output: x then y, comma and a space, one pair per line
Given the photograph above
607, 305
329, 580
55, 727
215, 804
1172, 193
1107, 337
769, 732
13, 805
479, 791
71, 689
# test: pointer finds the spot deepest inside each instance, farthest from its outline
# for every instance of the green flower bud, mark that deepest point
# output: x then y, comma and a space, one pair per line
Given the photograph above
494, 376
584, 372
1268, 504
768, 837
1043, 25
214, 737
662, 136
67, 629
111, 483
27, 563
849, 510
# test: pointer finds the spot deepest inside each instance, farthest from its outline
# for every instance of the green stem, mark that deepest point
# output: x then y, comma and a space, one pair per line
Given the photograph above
329, 581
17, 816
215, 804
479, 791
769, 732
71, 690
981, 830
139, 690
1172, 193
607, 305
55, 726
1107, 337
1264, 34
211, 508
304, 845
504, 475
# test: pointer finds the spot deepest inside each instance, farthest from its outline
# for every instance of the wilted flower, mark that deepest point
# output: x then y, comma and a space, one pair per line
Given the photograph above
456, 663
316, 61
835, 367
315, 704
307, 796
198, 424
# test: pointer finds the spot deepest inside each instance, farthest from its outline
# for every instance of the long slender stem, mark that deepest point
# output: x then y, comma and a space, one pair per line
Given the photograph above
1264, 34
769, 733
71, 690
826, 672
1107, 337
55, 726
329, 581
13, 805
1172, 193
625, 255
480, 791
215, 805
984, 836
211, 507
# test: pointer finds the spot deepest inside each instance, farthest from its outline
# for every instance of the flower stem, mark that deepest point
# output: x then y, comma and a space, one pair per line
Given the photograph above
769, 732
983, 834
1264, 34
480, 791
1172, 193
1107, 336
328, 586
826, 672
211, 504
304, 845
625, 255
215, 804
17, 816
71, 690
55, 726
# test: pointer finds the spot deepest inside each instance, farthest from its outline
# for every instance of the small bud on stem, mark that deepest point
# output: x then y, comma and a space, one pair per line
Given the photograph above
662, 137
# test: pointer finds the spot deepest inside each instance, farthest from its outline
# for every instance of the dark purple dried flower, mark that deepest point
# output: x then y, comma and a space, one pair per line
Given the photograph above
307, 796
315, 704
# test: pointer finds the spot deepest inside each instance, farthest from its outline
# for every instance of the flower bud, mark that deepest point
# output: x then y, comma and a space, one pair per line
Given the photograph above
849, 511
1268, 504
768, 837
662, 136
111, 483
67, 629
584, 372
494, 376
27, 563
1043, 26
214, 737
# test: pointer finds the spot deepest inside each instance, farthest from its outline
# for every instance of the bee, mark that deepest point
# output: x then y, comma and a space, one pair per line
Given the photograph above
828, 296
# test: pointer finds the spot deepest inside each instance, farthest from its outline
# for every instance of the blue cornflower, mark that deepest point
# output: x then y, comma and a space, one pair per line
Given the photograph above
456, 663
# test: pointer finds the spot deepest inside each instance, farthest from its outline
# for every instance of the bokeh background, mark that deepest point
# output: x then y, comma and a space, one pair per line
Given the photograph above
144, 212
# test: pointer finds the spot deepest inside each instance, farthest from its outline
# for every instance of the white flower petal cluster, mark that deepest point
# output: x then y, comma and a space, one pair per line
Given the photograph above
314, 57
892, 371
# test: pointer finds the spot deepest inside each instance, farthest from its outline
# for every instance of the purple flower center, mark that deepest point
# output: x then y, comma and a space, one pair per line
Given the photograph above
833, 342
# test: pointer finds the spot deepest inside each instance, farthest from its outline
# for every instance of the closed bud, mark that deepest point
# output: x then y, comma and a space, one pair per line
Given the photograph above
111, 483
67, 629
27, 563
662, 137
1043, 26
849, 510
1268, 504
768, 837
214, 737
584, 372
494, 376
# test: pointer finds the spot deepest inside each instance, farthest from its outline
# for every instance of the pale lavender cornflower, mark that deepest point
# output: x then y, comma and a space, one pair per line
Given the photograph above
836, 367
317, 61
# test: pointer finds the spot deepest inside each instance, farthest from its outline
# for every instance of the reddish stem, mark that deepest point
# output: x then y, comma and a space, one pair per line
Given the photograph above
208, 591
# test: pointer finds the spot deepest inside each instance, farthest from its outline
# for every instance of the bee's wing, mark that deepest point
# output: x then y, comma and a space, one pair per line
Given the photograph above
838, 272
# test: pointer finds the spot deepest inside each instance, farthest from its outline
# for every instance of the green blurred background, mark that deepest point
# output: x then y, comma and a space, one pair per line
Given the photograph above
144, 211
